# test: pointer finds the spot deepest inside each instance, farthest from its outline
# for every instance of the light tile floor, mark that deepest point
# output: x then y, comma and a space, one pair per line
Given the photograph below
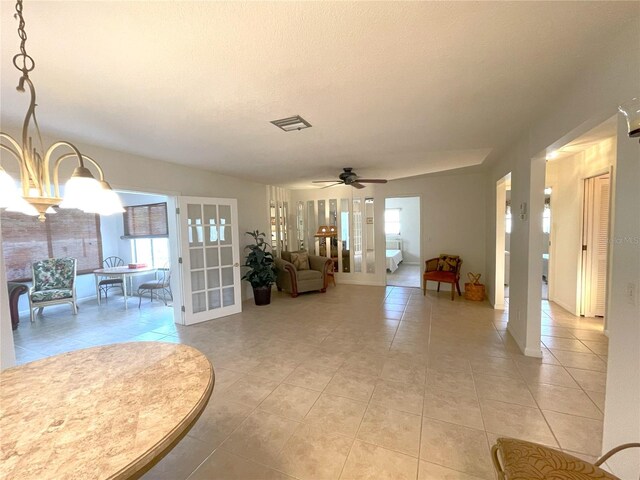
361, 382
405, 276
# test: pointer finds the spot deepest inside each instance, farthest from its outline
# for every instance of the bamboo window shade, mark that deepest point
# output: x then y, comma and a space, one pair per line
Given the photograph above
144, 221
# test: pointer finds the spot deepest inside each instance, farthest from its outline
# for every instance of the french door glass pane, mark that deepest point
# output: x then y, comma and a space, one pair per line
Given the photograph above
227, 276
214, 299
228, 296
226, 256
211, 235
226, 236
225, 214
210, 214
212, 257
197, 280
199, 301
197, 258
213, 278
194, 214
195, 236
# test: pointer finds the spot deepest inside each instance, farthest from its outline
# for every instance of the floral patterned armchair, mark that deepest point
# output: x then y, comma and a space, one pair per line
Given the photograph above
54, 282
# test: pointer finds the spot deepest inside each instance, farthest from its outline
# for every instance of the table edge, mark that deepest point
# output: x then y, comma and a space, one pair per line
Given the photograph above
147, 461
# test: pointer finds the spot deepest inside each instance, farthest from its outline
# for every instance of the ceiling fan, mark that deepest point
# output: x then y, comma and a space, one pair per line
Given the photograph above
349, 177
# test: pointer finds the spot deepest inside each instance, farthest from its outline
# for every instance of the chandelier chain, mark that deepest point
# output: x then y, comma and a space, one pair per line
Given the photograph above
22, 61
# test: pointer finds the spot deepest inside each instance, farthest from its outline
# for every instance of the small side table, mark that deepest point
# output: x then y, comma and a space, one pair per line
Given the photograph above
15, 291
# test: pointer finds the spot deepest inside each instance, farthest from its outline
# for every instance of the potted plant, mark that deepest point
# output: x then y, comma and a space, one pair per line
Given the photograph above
262, 271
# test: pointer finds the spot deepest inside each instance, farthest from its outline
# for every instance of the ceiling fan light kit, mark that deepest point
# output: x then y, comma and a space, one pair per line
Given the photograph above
349, 177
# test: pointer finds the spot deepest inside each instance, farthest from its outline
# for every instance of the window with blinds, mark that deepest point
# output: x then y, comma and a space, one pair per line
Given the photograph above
146, 221
67, 233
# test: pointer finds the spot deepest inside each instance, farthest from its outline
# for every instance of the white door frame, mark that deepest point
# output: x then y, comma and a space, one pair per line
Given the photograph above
421, 230
501, 201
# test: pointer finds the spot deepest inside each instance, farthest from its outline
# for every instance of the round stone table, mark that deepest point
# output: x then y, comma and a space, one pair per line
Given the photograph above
107, 412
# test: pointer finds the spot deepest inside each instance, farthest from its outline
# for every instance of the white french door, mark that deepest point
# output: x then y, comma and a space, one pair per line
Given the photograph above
210, 257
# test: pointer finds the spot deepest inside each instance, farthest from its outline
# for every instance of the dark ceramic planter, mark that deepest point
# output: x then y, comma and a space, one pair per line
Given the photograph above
262, 295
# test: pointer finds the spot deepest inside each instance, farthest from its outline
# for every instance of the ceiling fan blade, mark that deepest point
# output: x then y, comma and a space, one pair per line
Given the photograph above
323, 181
371, 180
356, 184
332, 185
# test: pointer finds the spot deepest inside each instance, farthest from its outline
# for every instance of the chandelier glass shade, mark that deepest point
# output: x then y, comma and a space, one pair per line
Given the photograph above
631, 112
39, 167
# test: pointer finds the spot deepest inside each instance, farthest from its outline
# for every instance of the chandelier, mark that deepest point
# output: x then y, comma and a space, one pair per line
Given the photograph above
39, 168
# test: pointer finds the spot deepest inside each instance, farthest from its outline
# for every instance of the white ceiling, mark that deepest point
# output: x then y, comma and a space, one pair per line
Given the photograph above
391, 89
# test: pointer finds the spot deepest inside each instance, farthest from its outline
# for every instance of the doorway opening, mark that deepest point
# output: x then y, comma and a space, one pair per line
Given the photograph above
143, 236
578, 180
546, 235
503, 242
402, 237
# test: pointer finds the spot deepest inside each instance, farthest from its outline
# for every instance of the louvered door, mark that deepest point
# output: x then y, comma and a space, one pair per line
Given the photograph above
597, 191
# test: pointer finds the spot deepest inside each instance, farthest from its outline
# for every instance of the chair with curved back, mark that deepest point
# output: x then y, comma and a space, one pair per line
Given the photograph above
162, 283
443, 269
521, 460
54, 282
107, 283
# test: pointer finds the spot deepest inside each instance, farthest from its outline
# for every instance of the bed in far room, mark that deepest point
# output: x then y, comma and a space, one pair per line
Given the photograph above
394, 254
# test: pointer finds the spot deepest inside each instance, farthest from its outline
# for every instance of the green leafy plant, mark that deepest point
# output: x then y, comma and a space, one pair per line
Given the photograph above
259, 261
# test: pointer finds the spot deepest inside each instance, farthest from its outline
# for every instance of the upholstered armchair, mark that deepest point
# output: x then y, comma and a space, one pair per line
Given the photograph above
54, 282
443, 269
296, 280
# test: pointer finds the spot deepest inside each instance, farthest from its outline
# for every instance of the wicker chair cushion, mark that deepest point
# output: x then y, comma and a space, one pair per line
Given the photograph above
530, 461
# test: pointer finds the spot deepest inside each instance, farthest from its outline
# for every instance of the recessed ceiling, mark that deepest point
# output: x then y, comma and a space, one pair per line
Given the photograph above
393, 89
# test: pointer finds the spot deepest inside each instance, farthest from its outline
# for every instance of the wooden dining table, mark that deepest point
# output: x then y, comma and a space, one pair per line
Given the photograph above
108, 412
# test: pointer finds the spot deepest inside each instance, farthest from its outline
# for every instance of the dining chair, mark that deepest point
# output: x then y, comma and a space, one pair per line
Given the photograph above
107, 283
162, 283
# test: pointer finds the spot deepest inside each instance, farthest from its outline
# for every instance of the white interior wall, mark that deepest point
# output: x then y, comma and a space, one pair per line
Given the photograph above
452, 217
7, 352
409, 227
622, 403
609, 80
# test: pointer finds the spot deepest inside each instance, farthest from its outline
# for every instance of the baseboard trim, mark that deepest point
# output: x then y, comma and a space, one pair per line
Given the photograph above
360, 282
565, 306
533, 352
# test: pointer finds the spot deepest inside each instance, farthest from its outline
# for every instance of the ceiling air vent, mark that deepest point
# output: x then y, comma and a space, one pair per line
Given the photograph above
291, 123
